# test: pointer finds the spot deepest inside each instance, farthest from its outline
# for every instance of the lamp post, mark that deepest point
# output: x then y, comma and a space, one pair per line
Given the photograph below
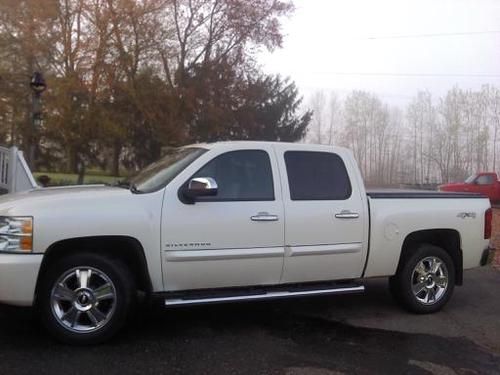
38, 86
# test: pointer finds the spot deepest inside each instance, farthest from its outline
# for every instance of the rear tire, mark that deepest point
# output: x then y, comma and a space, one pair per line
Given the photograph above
425, 280
86, 298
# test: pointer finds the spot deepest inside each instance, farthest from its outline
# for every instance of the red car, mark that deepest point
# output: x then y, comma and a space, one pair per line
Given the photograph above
485, 183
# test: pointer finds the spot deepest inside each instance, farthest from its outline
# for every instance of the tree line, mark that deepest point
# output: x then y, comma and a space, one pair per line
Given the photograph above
432, 140
127, 78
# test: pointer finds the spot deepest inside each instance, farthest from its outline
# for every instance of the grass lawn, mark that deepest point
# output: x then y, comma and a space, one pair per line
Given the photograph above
57, 179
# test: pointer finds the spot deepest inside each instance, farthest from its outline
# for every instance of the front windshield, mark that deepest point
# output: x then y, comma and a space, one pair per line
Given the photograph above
470, 179
160, 173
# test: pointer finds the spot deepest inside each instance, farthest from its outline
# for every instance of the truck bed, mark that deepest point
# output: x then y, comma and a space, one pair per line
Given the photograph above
395, 214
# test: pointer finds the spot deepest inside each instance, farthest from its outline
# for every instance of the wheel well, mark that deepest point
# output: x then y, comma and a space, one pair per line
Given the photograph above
127, 249
447, 239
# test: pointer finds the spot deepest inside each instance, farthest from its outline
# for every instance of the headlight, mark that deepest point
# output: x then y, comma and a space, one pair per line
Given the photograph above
16, 234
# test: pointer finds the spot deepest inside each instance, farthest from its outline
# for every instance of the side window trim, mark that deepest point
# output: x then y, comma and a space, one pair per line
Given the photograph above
344, 167
215, 199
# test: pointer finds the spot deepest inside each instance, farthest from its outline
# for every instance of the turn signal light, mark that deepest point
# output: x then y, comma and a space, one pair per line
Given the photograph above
27, 226
26, 243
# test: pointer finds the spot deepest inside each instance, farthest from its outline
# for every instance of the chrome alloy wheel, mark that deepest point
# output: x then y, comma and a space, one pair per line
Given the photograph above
429, 280
83, 299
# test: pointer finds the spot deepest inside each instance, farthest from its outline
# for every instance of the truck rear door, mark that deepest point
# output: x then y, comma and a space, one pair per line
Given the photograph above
326, 219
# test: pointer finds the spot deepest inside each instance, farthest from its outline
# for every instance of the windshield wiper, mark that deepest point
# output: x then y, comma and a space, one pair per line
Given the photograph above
133, 189
127, 185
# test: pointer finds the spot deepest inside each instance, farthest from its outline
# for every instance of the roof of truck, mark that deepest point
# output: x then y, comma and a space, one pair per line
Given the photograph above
257, 143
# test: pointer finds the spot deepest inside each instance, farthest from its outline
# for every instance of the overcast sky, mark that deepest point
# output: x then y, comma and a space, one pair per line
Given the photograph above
389, 47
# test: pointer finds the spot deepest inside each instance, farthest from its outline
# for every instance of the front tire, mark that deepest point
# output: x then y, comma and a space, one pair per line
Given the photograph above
425, 281
86, 298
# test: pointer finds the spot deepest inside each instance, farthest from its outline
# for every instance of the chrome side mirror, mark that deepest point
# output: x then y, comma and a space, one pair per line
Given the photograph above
201, 187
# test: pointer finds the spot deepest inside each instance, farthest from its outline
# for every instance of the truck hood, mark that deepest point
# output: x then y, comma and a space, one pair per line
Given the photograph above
61, 213
57, 197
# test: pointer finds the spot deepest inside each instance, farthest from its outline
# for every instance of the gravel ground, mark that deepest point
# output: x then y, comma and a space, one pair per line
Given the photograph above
350, 334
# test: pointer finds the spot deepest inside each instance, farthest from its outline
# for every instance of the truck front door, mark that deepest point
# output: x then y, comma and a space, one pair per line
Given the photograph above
235, 238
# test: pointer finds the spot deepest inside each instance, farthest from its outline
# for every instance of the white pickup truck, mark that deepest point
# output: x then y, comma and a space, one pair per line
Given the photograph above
231, 221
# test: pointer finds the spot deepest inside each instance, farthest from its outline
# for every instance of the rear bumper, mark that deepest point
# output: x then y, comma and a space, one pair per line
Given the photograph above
18, 275
487, 256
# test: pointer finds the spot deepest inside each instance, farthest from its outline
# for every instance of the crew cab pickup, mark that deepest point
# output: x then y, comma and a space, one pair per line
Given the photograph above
231, 221
485, 183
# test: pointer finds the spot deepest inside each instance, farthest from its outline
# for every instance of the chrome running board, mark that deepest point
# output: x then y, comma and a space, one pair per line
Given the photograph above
263, 296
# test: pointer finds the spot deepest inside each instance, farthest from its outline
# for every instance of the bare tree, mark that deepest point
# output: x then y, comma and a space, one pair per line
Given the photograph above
334, 117
201, 32
493, 98
431, 143
421, 117
317, 104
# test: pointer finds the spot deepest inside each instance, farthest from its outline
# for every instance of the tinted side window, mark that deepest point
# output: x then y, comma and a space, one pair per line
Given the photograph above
244, 175
316, 176
485, 180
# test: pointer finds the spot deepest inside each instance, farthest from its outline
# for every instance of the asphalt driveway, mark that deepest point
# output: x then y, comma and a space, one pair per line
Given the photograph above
365, 334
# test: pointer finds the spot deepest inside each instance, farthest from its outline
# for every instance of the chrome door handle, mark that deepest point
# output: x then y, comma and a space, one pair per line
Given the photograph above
346, 214
264, 216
